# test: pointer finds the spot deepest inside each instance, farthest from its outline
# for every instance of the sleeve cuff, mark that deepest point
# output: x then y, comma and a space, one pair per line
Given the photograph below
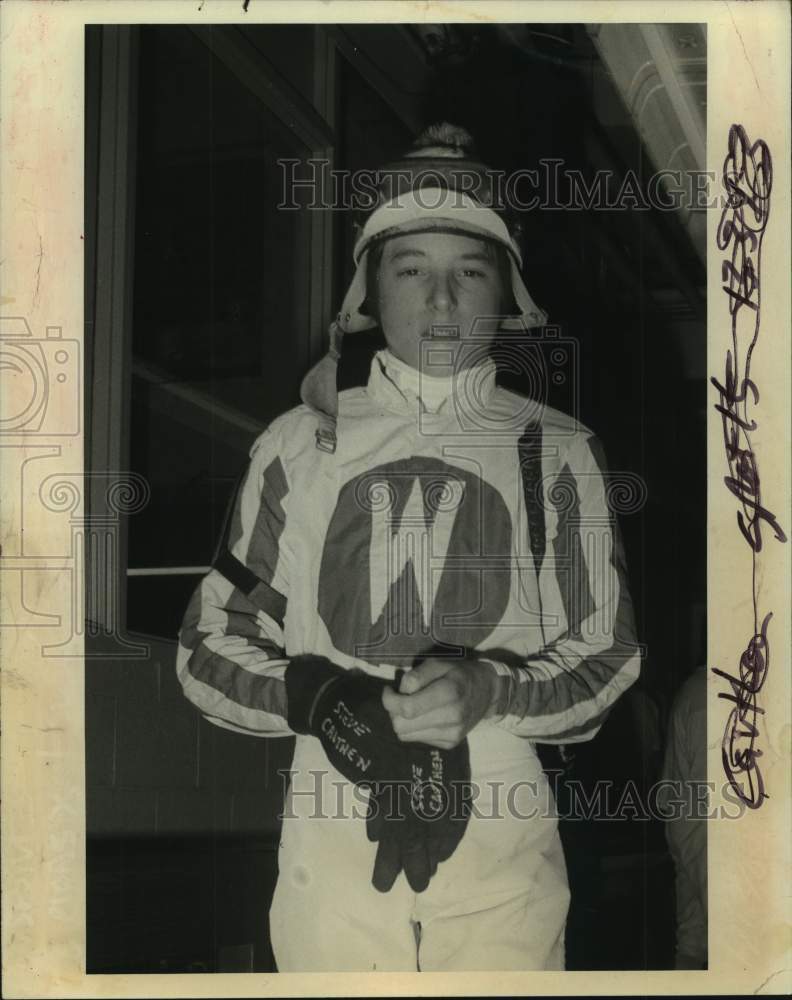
502, 691
305, 677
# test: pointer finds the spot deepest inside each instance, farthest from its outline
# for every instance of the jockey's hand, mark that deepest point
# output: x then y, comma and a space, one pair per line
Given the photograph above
441, 700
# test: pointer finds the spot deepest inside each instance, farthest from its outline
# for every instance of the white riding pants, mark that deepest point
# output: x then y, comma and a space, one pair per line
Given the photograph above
500, 902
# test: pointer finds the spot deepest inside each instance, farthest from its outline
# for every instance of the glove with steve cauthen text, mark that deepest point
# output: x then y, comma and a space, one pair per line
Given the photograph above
420, 820
418, 795
344, 710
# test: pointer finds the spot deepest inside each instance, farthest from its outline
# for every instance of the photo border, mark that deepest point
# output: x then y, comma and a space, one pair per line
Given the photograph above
43, 767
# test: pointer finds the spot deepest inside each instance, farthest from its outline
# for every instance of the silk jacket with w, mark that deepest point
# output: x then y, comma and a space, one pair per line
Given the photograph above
482, 525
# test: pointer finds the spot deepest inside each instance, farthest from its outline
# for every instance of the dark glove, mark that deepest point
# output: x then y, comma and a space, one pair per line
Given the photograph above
419, 800
343, 708
420, 820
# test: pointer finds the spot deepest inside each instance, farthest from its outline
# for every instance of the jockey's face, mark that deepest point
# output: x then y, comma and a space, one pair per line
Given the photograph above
443, 289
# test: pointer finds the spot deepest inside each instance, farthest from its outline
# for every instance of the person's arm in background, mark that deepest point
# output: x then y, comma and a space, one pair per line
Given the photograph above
230, 659
589, 656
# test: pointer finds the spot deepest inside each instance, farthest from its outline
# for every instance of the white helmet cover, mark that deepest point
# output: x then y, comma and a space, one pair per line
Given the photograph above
427, 210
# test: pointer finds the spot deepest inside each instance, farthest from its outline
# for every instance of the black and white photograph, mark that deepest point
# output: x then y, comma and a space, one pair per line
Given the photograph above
401, 488
390, 295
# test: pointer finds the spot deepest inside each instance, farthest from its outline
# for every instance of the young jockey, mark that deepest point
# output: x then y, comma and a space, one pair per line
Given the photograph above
421, 579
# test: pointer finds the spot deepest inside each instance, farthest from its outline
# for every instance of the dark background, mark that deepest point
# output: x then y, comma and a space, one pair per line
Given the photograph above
182, 829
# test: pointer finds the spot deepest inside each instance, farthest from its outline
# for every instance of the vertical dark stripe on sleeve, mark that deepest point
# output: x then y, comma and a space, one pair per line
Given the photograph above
262, 553
624, 628
529, 449
572, 575
561, 692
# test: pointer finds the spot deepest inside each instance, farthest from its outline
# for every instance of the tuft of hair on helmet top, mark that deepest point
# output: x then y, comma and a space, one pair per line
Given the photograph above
445, 134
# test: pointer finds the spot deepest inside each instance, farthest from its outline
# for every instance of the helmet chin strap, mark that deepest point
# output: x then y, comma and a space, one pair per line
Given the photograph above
319, 391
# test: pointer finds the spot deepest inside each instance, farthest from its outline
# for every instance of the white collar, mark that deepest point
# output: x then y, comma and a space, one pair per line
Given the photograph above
429, 392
